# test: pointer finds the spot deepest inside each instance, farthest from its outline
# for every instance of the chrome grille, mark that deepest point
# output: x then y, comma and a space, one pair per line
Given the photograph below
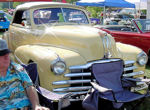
80, 76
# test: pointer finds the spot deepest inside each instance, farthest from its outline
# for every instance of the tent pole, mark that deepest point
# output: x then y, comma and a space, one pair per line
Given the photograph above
104, 14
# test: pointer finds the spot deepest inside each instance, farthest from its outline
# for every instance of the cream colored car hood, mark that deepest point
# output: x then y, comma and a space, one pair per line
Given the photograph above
81, 39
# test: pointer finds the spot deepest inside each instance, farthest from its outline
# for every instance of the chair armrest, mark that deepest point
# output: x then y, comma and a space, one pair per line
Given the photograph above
51, 95
126, 82
100, 88
62, 99
103, 89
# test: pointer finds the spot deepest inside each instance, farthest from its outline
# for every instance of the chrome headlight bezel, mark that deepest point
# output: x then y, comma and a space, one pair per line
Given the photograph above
58, 66
142, 58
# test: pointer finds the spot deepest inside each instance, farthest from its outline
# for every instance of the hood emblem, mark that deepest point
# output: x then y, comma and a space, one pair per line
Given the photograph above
107, 46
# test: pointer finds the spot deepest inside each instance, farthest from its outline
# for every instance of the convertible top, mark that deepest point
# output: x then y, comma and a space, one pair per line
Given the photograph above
29, 5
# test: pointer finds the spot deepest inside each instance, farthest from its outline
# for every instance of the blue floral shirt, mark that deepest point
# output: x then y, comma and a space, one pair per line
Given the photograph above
12, 88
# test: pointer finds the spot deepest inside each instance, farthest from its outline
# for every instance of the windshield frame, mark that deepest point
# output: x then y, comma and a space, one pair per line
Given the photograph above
141, 25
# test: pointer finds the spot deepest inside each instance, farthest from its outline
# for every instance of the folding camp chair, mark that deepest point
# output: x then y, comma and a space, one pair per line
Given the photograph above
108, 86
46, 97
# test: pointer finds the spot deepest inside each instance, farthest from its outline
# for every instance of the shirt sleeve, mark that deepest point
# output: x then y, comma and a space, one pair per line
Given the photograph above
26, 81
23, 75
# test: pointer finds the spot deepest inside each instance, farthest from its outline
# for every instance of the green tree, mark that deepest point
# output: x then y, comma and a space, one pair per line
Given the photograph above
1, 6
5, 5
95, 11
16, 4
71, 1
68, 1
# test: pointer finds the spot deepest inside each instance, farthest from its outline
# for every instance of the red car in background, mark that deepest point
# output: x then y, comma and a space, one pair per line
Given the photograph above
136, 33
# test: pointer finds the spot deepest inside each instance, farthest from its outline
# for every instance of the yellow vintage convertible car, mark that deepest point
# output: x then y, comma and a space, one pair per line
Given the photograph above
60, 38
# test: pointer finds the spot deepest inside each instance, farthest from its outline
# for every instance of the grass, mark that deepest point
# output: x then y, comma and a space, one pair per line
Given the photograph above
146, 103
148, 71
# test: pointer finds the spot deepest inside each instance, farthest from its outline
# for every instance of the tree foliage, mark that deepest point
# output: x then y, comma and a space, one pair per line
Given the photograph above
16, 4
94, 11
71, 1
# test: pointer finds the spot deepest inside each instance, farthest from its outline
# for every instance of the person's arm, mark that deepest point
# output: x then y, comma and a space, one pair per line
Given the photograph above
29, 89
33, 97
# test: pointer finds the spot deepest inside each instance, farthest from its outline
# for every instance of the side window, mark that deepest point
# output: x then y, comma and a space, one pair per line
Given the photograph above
18, 17
22, 17
26, 18
49, 15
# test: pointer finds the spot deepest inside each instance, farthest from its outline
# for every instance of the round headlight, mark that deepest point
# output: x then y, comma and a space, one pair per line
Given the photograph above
142, 58
59, 67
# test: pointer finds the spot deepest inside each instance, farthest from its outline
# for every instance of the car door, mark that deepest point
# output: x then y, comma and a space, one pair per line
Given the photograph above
145, 41
18, 30
132, 38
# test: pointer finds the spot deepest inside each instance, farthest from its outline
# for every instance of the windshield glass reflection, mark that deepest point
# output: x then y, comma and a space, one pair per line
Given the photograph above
59, 15
144, 25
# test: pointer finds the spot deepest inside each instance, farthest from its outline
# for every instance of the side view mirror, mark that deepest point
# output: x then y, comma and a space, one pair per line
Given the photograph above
25, 23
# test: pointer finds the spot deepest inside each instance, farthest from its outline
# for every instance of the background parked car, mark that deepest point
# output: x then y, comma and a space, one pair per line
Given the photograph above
4, 22
118, 19
137, 33
130, 11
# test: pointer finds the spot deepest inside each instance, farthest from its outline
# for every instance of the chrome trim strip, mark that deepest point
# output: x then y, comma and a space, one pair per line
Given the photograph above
130, 68
74, 93
140, 88
79, 93
103, 40
129, 62
133, 74
71, 82
99, 61
77, 74
107, 41
89, 74
90, 64
70, 89
139, 83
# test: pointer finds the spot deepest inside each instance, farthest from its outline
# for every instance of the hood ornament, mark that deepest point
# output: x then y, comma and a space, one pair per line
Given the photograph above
107, 46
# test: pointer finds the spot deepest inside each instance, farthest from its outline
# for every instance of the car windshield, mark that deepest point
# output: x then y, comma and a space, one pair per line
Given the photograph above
128, 11
59, 15
124, 16
2, 17
143, 24
9, 17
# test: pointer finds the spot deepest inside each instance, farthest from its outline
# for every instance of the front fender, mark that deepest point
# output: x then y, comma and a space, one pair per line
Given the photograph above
129, 52
44, 56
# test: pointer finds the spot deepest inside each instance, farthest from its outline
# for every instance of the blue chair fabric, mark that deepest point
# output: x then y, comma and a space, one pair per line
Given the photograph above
109, 86
32, 71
